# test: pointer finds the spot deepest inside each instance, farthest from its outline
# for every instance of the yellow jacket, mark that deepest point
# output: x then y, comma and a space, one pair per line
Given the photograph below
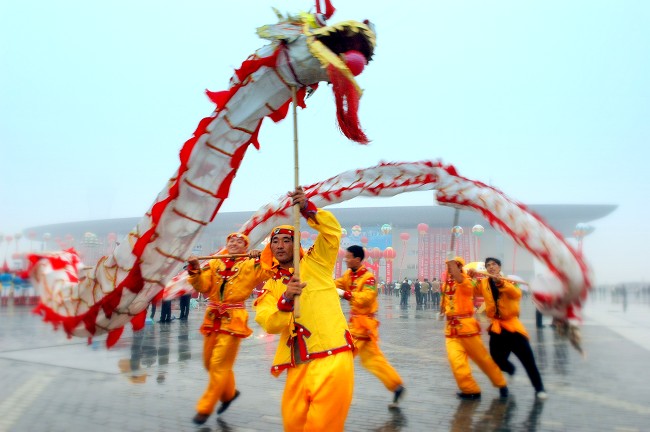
226, 312
505, 313
362, 289
321, 329
458, 304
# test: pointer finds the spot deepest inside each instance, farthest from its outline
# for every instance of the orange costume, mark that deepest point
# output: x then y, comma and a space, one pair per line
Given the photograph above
463, 340
507, 333
227, 283
316, 348
361, 291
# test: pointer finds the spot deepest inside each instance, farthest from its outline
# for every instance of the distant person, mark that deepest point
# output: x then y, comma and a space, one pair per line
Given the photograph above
184, 304
166, 312
405, 291
425, 290
435, 292
623, 291
507, 333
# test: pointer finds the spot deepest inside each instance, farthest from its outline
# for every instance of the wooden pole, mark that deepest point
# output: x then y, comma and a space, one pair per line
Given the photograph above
452, 243
451, 253
296, 207
209, 257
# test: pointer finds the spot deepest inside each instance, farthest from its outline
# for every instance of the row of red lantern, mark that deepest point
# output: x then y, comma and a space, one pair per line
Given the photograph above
375, 253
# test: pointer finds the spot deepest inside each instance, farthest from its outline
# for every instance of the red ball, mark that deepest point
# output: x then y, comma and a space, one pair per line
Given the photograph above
355, 61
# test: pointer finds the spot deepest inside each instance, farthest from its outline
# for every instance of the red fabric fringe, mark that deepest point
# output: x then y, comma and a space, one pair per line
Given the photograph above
133, 280
347, 106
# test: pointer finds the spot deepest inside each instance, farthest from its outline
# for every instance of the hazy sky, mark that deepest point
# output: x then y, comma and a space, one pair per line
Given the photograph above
548, 101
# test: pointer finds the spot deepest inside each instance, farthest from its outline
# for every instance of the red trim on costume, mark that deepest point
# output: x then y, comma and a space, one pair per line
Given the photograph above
215, 312
457, 336
285, 305
309, 211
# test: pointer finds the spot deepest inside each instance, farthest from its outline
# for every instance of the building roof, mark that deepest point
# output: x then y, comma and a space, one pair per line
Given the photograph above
562, 217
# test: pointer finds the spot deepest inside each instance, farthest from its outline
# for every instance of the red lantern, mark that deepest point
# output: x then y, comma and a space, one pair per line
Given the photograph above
304, 235
341, 253
364, 240
313, 237
423, 228
389, 254
375, 254
405, 236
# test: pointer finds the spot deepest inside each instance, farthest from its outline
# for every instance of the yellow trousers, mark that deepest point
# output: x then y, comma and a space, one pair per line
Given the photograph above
374, 360
219, 354
317, 395
459, 351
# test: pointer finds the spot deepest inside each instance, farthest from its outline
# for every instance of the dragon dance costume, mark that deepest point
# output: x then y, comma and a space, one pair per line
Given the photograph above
507, 333
227, 284
316, 348
463, 336
361, 291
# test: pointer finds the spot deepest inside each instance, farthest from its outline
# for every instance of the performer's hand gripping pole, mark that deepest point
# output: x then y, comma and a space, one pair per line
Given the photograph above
296, 207
452, 246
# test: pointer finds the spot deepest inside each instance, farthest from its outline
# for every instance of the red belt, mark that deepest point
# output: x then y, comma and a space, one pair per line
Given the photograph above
222, 308
453, 317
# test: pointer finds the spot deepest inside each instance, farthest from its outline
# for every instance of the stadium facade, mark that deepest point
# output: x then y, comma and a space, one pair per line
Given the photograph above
413, 240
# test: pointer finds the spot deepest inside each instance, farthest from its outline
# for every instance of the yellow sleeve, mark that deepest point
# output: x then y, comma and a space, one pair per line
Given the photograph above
326, 245
267, 314
206, 279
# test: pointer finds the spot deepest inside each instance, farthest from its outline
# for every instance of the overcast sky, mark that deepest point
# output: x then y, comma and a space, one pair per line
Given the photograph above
548, 101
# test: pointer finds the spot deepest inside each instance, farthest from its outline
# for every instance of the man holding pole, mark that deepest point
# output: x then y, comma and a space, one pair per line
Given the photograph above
227, 283
358, 286
507, 333
463, 334
315, 348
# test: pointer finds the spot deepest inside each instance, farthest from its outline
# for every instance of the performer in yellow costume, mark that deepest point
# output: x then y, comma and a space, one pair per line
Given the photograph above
358, 286
316, 348
507, 333
463, 334
227, 283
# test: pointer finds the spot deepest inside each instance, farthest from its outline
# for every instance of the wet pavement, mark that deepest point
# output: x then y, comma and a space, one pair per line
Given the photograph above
150, 380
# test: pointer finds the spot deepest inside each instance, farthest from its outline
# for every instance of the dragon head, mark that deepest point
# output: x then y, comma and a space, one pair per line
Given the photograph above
316, 52
326, 43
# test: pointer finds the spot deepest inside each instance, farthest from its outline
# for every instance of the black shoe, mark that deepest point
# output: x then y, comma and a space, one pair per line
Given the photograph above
224, 405
200, 418
469, 396
398, 395
503, 392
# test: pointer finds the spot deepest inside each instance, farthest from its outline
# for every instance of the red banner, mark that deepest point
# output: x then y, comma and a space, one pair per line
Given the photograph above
389, 271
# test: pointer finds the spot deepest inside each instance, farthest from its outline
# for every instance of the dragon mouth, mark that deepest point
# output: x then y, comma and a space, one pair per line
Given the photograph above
348, 35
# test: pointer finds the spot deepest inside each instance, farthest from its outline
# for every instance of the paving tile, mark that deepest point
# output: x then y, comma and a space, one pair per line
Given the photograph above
150, 381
